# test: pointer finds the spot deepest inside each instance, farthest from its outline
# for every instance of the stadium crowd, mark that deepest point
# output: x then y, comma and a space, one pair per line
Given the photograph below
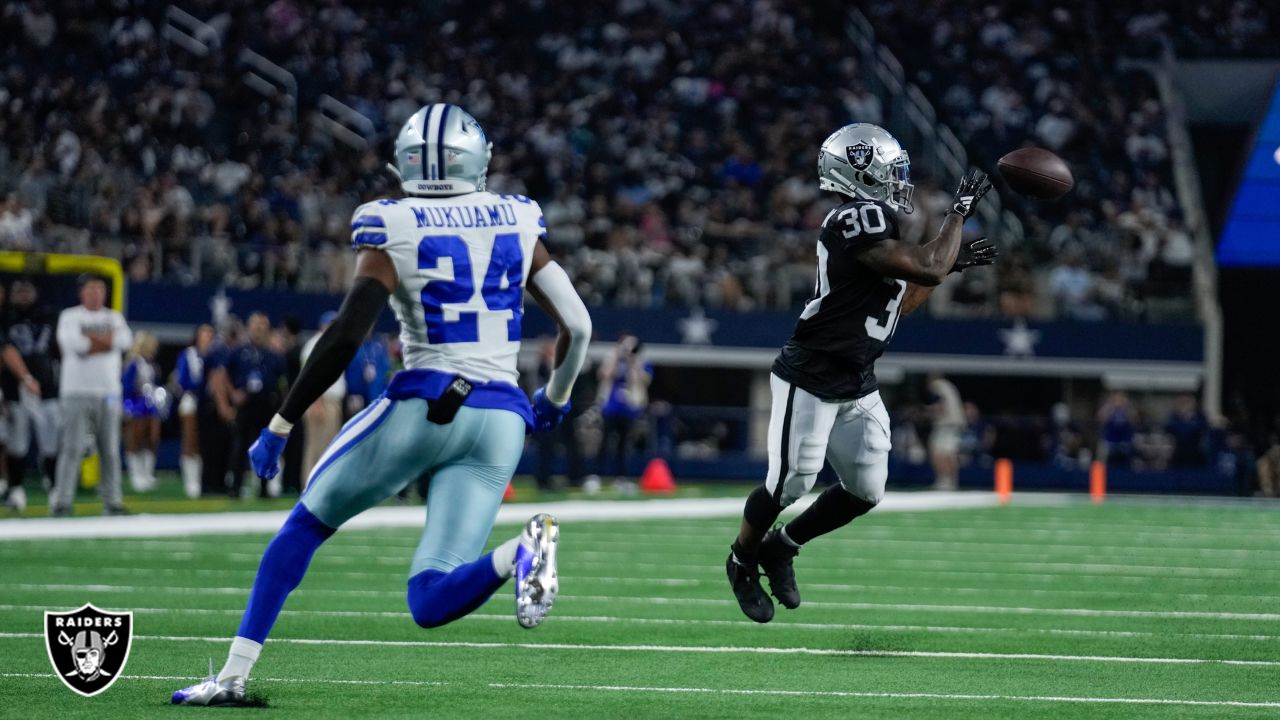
670, 144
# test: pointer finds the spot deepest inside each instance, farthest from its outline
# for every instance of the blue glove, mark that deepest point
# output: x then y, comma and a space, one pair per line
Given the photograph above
264, 454
546, 414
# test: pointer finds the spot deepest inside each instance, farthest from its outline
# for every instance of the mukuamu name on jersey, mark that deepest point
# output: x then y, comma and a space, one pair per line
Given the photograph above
465, 216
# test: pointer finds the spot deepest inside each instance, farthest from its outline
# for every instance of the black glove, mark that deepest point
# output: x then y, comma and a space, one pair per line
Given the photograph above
975, 252
972, 187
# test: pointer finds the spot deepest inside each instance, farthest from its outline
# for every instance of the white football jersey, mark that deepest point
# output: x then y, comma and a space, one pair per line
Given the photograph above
462, 263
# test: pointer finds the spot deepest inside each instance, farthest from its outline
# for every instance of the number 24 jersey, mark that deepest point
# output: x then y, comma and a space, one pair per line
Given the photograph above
853, 313
462, 262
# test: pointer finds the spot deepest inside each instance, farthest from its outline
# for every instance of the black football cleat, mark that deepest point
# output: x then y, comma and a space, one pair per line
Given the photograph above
776, 555
745, 582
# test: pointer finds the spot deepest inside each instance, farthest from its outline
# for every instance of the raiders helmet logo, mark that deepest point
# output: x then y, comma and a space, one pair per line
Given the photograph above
859, 155
88, 647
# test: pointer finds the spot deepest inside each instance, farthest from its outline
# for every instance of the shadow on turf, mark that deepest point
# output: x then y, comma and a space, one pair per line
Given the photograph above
253, 700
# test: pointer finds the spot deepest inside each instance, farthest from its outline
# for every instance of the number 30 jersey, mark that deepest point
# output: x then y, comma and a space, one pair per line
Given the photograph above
851, 317
462, 263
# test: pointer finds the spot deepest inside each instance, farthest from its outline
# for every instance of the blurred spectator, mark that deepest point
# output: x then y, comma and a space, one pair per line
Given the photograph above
1073, 288
1189, 430
948, 416
1015, 286
191, 384
91, 338
256, 375
1066, 439
324, 418
624, 379
368, 374
30, 387
1118, 421
977, 438
17, 225
143, 397
563, 436
217, 411
1269, 471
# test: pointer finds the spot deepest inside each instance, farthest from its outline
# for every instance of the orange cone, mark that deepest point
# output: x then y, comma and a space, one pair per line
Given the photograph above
657, 479
509, 493
1097, 481
1004, 480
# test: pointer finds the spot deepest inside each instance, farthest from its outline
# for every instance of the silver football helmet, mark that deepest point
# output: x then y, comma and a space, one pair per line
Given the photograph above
442, 150
864, 161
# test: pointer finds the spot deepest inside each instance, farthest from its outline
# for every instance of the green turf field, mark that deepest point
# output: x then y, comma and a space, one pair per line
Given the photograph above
1128, 610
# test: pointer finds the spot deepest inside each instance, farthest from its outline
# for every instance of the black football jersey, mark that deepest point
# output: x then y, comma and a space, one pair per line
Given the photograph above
851, 317
32, 331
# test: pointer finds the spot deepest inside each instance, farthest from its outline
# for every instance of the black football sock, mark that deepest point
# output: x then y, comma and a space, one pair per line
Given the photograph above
17, 470
758, 516
833, 509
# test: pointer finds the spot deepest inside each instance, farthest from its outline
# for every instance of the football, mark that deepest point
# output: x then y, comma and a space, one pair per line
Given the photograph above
1036, 172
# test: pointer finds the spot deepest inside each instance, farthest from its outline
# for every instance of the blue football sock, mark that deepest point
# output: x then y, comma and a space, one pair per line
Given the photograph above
437, 597
282, 567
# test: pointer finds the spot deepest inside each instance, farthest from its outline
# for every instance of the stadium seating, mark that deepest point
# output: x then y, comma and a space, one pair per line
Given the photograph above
674, 169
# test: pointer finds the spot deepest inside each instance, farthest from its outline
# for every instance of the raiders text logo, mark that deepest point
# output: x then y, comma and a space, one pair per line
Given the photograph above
88, 647
859, 155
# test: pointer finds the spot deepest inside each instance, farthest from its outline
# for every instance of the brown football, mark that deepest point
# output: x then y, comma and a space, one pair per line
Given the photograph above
1036, 172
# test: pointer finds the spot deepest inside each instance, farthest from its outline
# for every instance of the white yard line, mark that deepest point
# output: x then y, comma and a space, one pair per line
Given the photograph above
648, 580
233, 523
713, 649
989, 553
886, 695
917, 565
716, 691
660, 600
743, 624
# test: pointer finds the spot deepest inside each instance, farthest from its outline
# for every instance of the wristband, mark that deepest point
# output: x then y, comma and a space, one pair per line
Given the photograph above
279, 425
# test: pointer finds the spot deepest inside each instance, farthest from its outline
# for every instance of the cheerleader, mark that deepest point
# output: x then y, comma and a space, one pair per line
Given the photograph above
191, 386
144, 401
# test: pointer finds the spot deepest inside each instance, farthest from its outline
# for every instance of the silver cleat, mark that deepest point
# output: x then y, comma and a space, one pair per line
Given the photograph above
536, 580
212, 692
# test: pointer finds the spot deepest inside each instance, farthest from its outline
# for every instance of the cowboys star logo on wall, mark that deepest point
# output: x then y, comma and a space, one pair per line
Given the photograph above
88, 647
859, 155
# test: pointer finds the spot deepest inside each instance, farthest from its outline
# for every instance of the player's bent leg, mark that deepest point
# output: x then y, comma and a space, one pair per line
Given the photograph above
369, 461
798, 430
449, 578
859, 453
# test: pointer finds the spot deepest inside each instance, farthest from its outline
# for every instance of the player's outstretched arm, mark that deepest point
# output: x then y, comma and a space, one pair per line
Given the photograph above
929, 264
550, 286
374, 281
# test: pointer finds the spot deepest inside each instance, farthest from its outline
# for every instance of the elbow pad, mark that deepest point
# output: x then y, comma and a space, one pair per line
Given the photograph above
554, 284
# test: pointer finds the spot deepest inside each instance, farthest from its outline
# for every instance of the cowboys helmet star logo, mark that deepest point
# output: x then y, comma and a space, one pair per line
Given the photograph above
859, 155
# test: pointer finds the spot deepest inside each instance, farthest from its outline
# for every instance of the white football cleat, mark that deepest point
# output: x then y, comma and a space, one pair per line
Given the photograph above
536, 579
17, 499
212, 692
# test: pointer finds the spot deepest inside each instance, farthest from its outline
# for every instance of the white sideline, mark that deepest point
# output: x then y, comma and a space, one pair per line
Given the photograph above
401, 615
713, 649
412, 516
719, 691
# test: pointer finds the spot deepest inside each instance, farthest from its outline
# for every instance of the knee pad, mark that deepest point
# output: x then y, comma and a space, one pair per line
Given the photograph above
807, 463
867, 484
